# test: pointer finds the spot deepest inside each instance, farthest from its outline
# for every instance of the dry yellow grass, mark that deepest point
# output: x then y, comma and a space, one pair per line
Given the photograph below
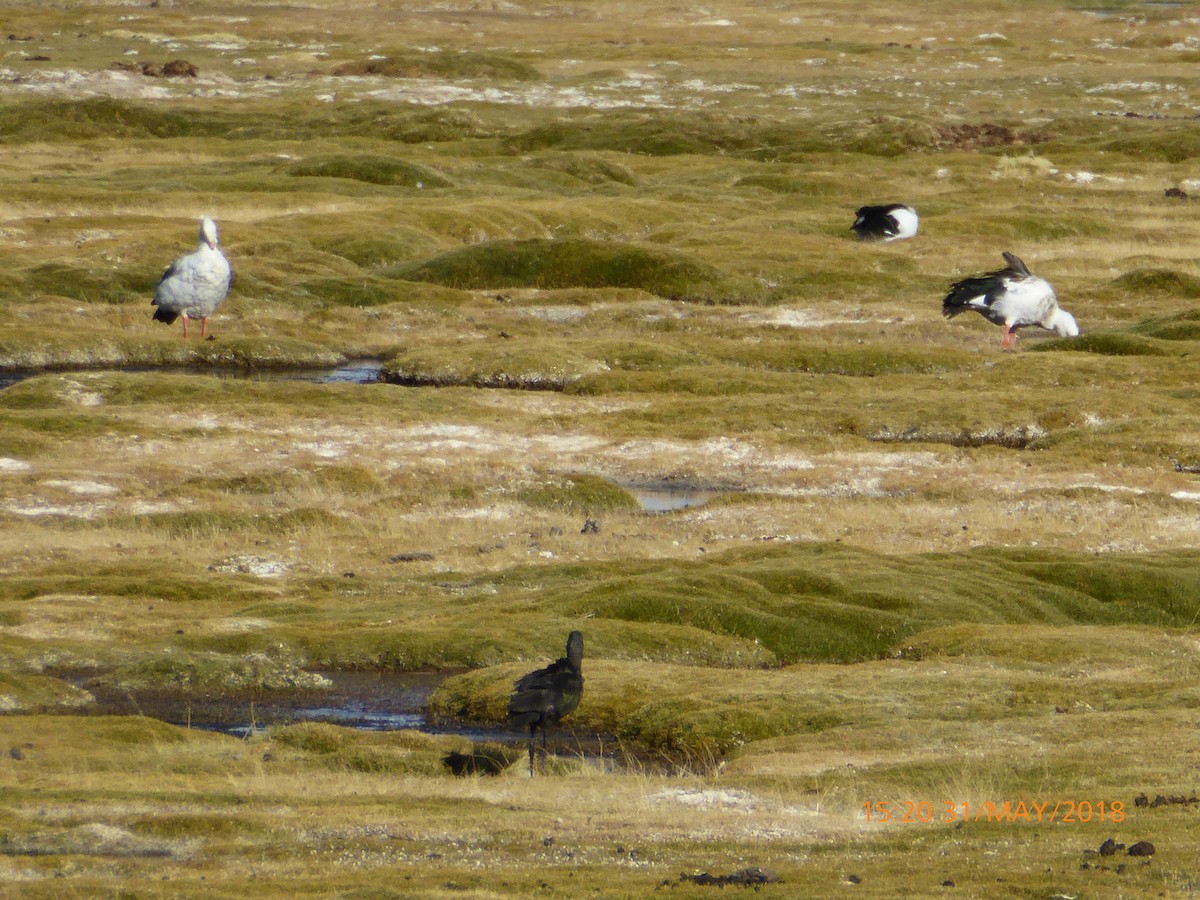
1002, 543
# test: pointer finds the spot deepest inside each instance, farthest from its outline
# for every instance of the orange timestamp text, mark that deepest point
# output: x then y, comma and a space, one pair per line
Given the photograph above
1034, 812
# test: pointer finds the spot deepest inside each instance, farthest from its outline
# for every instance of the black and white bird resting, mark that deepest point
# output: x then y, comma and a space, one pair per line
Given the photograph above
544, 696
194, 285
890, 222
1013, 297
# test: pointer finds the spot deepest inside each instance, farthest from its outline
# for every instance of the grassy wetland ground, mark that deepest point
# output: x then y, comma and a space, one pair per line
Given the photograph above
602, 249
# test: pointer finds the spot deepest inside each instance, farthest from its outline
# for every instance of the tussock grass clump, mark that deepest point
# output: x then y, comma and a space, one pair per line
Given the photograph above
406, 752
106, 117
216, 674
456, 64
1168, 282
369, 168
706, 726
20, 693
1064, 647
1109, 343
588, 168
656, 134
88, 284
211, 523
519, 364
579, 494
1018, 437
550, 264
360, 291
1154, 140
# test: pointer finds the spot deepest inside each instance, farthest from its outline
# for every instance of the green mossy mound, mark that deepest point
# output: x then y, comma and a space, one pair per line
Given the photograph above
404, 752
1156, 282
461, 64
496, 363
586, 494
104, 117
20, 693
84, 283
550, 264
354, 292
91, 118
588, 168
1183, 326
1109, 343
76, 349
368, 168
209, 673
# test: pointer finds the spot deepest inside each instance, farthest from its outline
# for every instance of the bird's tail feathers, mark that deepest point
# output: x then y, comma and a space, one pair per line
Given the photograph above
165, 315
967, 294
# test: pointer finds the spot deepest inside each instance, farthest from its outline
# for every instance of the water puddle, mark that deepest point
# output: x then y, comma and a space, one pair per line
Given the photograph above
355, 371
665, 497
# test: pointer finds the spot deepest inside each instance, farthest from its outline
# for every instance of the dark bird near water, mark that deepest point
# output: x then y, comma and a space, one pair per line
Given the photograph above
1013, 297
543, 697
890, 222
194, 285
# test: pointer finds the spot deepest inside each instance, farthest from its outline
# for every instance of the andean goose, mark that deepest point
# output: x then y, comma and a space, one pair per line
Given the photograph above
194, 285
1012, 297
890, 222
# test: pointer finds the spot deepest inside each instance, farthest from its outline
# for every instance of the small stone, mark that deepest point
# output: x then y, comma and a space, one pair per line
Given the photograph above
1141, 848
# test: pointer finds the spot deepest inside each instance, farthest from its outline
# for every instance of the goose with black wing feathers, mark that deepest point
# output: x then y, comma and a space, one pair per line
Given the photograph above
1012, 297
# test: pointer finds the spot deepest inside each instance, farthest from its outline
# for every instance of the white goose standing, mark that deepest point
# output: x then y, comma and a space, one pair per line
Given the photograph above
1013, 297
194, 285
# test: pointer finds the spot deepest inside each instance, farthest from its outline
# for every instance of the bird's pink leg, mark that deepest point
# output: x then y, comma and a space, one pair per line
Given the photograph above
185, 318
203, 327
1009, 338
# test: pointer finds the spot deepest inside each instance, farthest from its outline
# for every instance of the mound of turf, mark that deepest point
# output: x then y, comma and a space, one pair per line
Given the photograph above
1162, 282
370, 169
1108, 343
525, 365
579, 263
463, 64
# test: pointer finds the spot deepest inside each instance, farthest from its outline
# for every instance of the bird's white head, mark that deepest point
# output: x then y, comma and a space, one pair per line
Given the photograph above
208, 232
1064, 323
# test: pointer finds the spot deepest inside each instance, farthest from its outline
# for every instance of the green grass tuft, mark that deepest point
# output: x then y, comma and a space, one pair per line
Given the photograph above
370, 169
459, 64
586, 494
549, 264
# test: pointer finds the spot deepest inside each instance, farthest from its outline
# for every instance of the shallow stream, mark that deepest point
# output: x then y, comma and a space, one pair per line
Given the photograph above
370, 701
354, 371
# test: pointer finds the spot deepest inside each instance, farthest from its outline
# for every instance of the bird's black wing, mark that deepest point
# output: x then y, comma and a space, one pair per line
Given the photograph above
167, 274
548, 693
989, 287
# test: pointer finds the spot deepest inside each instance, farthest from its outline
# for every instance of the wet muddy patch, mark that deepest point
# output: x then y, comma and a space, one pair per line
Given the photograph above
355, 371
